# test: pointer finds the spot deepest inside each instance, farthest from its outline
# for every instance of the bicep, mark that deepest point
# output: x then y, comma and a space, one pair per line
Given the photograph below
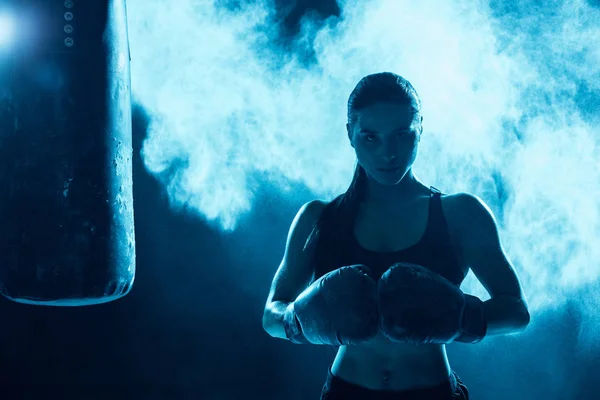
483, 252
296, 271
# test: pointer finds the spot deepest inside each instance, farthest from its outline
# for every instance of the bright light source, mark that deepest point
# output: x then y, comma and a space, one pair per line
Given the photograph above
6, 29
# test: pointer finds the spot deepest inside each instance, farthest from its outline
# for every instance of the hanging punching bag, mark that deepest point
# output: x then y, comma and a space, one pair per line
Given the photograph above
66, 200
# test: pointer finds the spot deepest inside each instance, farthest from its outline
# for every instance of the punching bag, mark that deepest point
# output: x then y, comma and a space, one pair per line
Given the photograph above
66, 199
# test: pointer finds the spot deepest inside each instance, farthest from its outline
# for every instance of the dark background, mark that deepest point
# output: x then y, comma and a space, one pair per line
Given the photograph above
191, 326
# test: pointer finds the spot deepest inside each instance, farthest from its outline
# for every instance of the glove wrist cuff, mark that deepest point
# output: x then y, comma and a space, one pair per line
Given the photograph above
474, 322
292, 327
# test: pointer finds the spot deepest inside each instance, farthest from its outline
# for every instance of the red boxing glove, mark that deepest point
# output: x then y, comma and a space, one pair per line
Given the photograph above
420, 306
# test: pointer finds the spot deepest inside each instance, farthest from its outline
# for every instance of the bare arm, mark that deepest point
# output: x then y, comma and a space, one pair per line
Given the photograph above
295, 272
506, 311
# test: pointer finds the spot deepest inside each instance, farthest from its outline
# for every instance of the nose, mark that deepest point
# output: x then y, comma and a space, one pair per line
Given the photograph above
389, 157
389, 149
389, 152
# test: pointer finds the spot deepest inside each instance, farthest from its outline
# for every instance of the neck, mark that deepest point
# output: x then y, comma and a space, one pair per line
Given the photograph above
404, 190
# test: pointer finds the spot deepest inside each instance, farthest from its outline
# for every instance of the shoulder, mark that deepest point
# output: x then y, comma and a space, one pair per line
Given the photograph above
309, 214
464, 202
313, 209
465, 211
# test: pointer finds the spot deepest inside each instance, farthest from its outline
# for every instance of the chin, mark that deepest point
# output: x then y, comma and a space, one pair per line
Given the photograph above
390, 180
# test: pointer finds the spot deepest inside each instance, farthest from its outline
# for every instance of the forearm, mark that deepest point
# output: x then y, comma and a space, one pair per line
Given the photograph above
273, 319
505, 314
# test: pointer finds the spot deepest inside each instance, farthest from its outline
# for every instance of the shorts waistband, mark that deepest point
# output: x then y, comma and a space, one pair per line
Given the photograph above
443, 390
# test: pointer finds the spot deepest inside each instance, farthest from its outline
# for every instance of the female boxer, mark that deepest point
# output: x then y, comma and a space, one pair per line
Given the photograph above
377, 270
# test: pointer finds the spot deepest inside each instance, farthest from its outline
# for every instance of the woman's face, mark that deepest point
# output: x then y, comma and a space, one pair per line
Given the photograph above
385, 138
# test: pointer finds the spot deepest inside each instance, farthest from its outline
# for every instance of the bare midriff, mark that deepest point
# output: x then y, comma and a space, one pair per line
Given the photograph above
380, 364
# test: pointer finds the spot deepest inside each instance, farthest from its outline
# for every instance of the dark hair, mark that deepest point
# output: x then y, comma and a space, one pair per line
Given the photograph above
337, 218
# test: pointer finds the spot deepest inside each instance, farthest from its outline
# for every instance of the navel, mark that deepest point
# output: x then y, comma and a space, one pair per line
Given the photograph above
386, 377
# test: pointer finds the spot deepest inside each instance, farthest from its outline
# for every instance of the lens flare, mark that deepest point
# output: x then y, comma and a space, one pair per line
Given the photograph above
6, 29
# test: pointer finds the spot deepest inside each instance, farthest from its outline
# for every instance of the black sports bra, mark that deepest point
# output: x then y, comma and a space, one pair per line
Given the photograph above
433, 250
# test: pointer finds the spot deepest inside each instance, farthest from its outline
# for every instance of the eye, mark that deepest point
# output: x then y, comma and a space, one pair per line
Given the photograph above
370, 137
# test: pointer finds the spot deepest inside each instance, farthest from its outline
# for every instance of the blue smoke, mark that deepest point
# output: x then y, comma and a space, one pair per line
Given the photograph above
510, 99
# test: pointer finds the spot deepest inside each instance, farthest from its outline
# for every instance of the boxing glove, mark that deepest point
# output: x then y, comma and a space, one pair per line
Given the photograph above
420, 306
339, 308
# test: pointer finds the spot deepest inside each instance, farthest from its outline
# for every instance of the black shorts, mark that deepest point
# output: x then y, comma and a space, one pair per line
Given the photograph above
336, 388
